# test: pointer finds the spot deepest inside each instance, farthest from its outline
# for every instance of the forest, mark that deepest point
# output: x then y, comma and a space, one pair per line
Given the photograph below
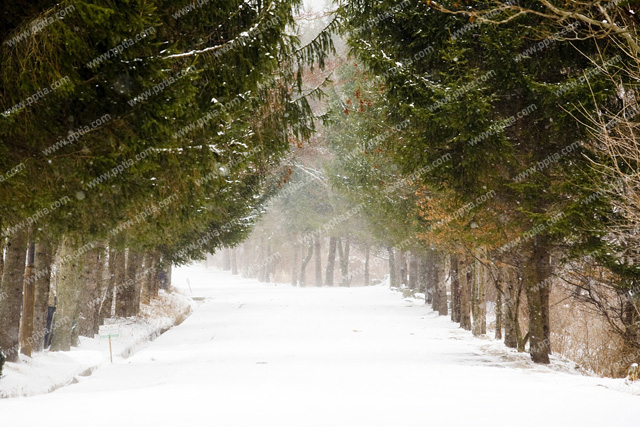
480, 155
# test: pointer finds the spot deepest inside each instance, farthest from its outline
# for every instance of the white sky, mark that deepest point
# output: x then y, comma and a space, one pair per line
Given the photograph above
316, 5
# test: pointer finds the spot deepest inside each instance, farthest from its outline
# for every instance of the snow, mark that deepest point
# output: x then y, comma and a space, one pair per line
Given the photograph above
273, 355
49, 371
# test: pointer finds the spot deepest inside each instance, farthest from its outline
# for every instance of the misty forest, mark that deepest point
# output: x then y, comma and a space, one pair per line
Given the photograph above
319, 212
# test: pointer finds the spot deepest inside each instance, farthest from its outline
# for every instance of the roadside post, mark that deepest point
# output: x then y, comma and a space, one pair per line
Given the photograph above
109, 331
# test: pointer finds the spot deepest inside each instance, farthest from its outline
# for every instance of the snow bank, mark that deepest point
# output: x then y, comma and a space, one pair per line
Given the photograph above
48, 371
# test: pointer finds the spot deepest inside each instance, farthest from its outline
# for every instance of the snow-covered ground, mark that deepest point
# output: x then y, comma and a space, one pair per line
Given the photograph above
273, 355
48, 371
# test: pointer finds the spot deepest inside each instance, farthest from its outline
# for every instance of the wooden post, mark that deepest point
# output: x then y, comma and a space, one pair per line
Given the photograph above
110, 351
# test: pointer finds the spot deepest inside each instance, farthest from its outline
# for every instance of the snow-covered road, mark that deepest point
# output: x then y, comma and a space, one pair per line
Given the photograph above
274, 355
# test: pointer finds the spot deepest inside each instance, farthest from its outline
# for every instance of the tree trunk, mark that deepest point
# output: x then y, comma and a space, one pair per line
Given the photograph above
3, 242
132, 302
28, 302
413, 271
392, 267
167, 272
423, 273
630, 319
90, 293
149, 277
101, 285
115, 279
478, 298
455, 289
543, 274
158, 273
331, 261
465, 273
11, 300
430, 285
122, 287
442, 305
42, 267
234, 262
535, 271
499, 314
68, 288
403, 269
344, 261
303, 267
367, 279
511, 308
318, 255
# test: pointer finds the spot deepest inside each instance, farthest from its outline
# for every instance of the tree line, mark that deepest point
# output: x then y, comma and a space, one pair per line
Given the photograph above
134, 136
533, 106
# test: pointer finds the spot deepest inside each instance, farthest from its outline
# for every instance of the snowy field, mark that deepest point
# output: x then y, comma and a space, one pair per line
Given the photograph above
273, 355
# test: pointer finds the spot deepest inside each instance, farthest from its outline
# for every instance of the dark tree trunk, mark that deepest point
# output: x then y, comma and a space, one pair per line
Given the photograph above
128, 291
101, 272
499, 312
3, 242
331, 261
132, 277
42, 267
305, 262
122, 286
630, 320
90, 293
157, 274
511, 307
11, 301
442, 304
478, 298
413, 271
433, 280
318, 257
534, 273
465, 274
68, 287
455, 290
543, 274
367, 279
28, 302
